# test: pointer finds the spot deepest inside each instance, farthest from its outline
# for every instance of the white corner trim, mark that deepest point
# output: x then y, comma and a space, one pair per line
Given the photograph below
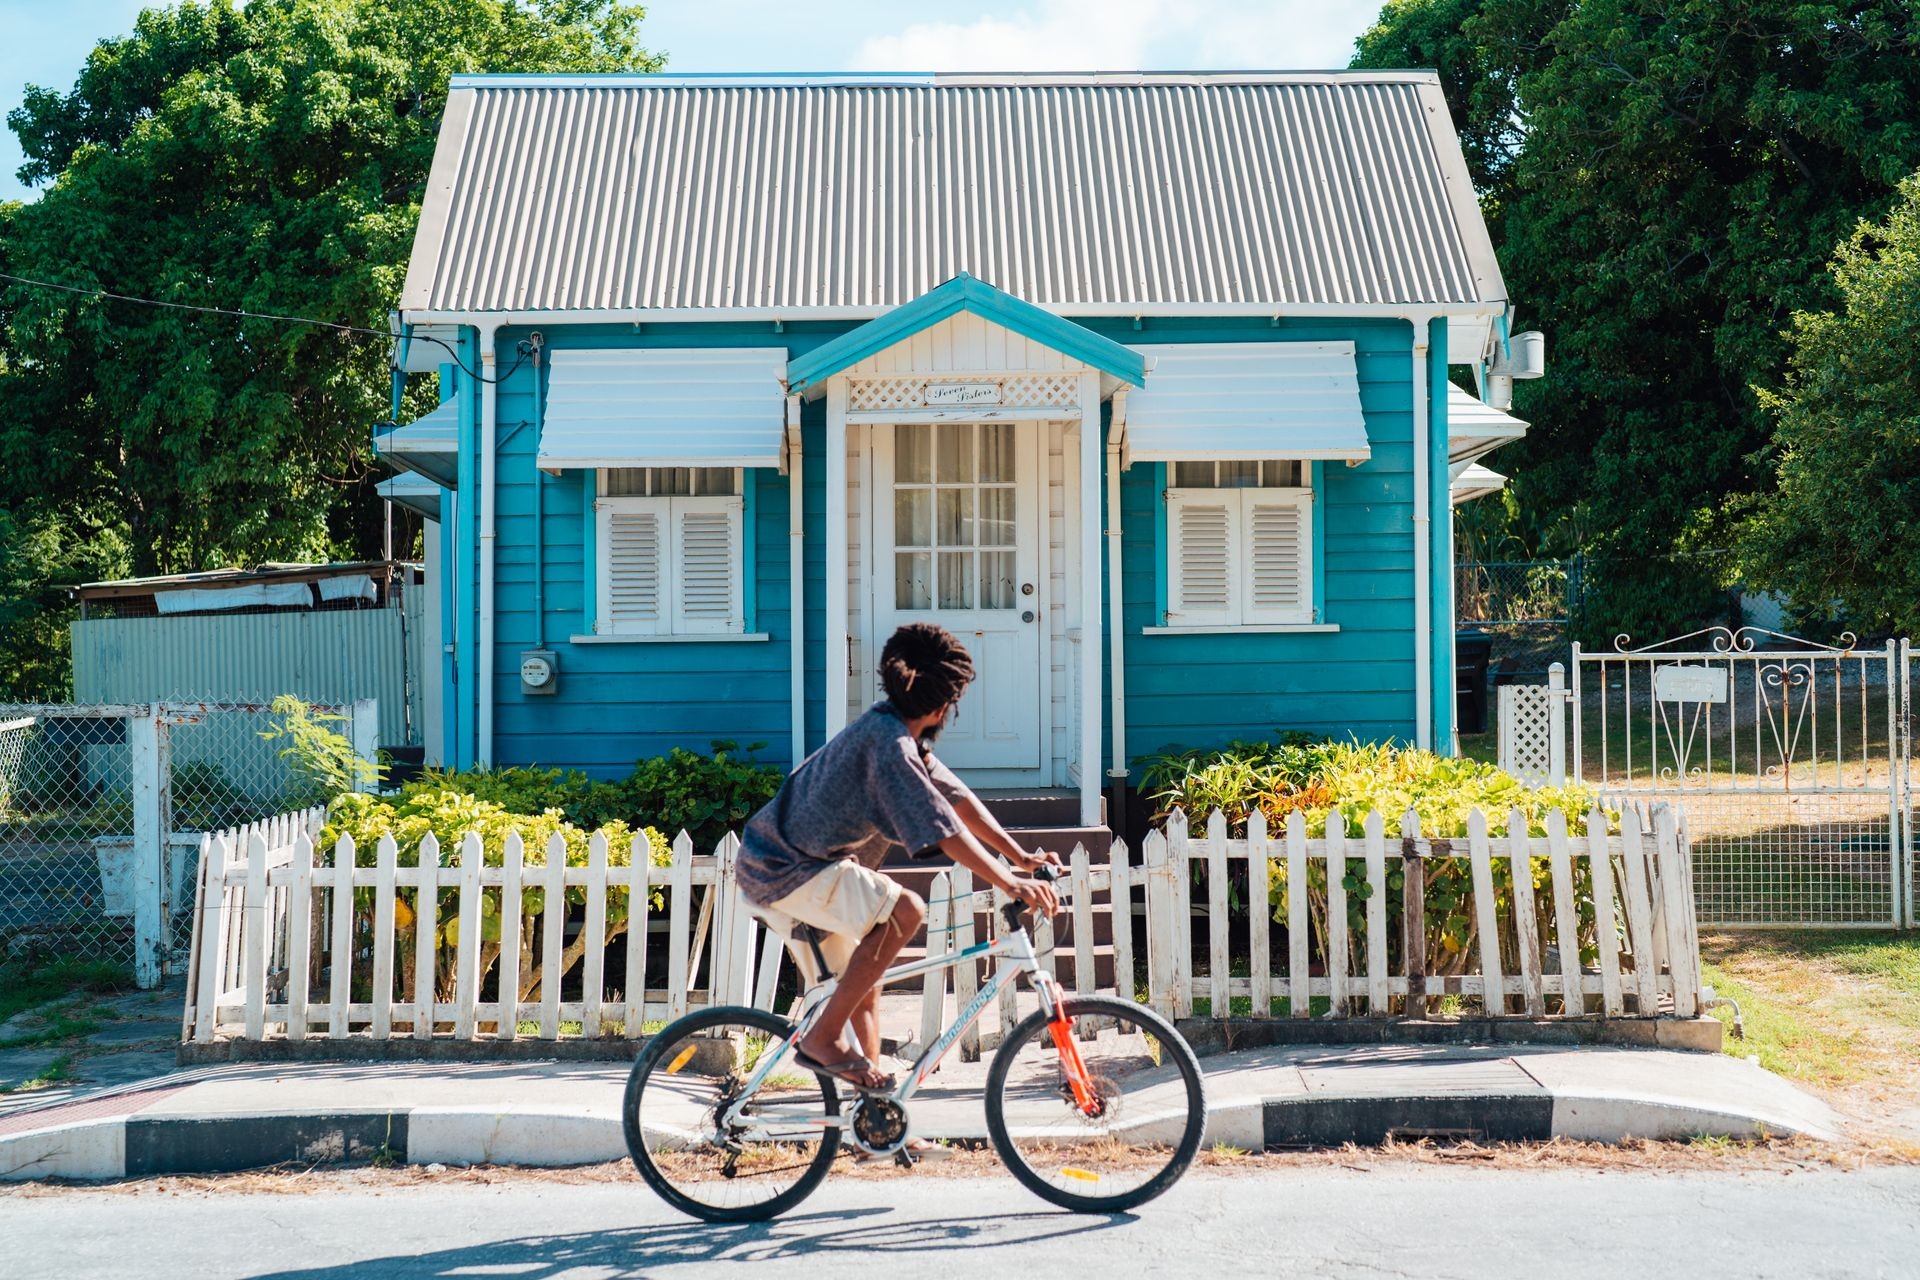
1254, 629
749, 637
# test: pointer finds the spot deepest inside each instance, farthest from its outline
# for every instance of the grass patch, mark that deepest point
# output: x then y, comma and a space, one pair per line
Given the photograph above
23, 988
1837, 1010
59, 1069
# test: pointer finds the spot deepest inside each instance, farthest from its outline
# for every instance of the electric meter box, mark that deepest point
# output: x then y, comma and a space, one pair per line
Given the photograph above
539, 672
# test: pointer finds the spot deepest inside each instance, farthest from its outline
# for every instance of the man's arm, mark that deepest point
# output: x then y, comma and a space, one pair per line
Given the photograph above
987, 829
967, 851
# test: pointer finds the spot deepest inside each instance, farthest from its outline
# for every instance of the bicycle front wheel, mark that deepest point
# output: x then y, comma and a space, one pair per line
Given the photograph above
1126, 1135
765, 1160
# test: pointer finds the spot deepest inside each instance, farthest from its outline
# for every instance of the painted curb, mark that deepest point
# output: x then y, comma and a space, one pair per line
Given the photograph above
542, 1136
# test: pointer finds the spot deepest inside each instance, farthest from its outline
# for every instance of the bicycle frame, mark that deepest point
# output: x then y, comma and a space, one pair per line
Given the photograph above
1015, 950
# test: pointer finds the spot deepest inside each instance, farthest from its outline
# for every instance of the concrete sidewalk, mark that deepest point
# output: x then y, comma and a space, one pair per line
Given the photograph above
215, 1119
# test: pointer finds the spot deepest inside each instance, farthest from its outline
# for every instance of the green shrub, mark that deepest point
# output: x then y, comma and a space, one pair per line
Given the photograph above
705, 796
320, 759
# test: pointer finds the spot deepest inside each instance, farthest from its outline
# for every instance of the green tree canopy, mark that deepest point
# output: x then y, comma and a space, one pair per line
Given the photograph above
269, 158
1836, 534
1683, 169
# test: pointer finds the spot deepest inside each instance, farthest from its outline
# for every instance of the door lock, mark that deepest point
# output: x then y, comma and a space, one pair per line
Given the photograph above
1026, 588
1026, 615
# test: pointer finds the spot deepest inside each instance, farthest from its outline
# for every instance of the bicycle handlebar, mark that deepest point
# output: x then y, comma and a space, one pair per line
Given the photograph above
1046, 873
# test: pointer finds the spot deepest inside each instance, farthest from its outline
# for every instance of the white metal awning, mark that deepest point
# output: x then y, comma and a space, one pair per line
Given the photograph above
1247, 400
428, 446
1470, 480
413, 492
713, 407
1475, 427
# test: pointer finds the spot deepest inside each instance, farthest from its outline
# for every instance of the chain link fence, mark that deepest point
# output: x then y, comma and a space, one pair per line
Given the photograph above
1527, 607
82, 786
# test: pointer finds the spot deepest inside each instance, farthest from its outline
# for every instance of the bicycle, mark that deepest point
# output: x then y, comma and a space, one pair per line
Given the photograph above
1093, 1103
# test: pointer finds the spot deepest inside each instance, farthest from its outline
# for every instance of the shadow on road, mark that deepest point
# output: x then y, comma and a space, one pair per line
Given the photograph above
643, 1251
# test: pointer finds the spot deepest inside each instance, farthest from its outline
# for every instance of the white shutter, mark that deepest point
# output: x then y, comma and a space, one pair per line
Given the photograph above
1278, 527
707, 566
1203, 545
633, 566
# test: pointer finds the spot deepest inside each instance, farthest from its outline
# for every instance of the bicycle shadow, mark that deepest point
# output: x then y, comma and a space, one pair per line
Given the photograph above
629, 1253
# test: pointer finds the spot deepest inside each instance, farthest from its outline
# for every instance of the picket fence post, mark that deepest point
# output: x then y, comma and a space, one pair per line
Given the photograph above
1337, 942
933, 985
299, 939
553, 927
1413, 916
1259, 915
593, 974
1162, 974
426, 936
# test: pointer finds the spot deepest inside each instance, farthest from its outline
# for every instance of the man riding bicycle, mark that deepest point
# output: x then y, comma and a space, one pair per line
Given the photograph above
809, 859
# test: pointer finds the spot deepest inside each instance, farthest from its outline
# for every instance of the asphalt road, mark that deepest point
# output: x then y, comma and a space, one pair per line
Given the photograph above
1433, 1224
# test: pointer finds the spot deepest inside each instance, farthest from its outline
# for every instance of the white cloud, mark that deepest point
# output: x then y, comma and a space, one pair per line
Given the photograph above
1083, 35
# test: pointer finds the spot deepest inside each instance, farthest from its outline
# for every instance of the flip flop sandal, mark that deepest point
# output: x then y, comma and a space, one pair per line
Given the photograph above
844, 1070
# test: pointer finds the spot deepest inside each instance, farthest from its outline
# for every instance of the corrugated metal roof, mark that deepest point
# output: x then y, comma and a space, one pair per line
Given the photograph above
705, 407
1247, 400
1078, 193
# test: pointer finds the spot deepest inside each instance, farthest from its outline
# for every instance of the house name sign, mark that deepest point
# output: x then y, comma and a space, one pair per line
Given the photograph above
944, 394
1689, 684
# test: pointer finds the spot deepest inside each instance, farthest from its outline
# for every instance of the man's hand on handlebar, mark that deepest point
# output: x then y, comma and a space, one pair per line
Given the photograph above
1035, 894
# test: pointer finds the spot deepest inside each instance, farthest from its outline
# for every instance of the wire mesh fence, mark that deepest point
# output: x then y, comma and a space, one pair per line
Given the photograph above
1816, 861
1526, 606
73, 783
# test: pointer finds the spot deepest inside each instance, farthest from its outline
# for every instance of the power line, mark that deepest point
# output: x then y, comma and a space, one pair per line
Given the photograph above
239, 314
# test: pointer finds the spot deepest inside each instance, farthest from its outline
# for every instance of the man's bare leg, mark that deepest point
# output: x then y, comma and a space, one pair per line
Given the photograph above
827, 1042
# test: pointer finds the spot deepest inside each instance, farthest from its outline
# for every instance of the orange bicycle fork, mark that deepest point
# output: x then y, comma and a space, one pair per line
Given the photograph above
1072, 1065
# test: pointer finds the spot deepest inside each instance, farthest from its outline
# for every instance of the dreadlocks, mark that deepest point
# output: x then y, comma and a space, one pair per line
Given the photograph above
923, 669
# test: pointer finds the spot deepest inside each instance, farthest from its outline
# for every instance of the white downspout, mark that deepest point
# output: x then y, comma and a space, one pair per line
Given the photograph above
796, 581
1117, 771
489, 464
1422, 544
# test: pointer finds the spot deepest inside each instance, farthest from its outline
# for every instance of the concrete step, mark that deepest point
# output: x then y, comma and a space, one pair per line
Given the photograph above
1036, 806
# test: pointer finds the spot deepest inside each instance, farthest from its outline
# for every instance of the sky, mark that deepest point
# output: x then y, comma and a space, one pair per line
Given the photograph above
46, 44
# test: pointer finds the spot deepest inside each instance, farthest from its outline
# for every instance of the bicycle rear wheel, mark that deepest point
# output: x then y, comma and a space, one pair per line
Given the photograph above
684, 1082
1149, 1101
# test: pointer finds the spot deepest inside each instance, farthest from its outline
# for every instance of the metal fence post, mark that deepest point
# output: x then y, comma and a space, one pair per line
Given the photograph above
365, 715
1557, 725
1573, 701
149, 745
1900, 758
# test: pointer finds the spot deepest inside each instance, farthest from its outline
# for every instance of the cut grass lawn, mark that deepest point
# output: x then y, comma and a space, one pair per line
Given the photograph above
23, 988
1838, 1011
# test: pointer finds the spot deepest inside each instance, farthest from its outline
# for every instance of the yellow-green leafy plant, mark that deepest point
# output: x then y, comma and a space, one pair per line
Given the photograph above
449, 816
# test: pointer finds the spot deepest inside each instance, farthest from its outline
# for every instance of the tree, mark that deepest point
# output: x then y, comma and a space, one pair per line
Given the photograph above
269, 158
1684, 167
1834, 534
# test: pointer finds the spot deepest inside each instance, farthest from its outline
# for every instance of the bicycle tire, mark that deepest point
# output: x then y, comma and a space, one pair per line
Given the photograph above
643, 1067
1177, 1051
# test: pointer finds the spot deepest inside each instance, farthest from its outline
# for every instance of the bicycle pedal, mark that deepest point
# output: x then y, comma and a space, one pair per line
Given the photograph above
904, 1158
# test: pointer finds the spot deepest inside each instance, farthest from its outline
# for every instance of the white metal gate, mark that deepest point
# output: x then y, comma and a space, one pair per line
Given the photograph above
1787, 757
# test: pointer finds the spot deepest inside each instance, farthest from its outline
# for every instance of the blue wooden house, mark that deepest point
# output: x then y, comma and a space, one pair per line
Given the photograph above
1138, 382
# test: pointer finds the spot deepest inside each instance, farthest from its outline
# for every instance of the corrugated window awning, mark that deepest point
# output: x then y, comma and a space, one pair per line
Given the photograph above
1251, 400
1475, 427
428, 446
413, 493
713, 407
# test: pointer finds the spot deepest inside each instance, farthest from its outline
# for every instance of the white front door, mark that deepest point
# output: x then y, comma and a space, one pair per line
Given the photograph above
957, 542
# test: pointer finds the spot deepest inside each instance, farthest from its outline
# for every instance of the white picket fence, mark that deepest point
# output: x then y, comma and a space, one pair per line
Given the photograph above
273, 956
1633, 908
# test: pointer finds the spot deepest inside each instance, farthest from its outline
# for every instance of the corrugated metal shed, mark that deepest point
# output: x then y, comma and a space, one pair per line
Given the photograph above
1089, 193
705, 407
1247, 400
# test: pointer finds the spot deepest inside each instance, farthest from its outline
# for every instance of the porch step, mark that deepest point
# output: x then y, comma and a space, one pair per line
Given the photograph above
1036, 806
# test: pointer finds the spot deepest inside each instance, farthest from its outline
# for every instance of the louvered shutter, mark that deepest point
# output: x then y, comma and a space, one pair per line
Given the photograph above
633, 566
1203, 554
706, 566
1278, 579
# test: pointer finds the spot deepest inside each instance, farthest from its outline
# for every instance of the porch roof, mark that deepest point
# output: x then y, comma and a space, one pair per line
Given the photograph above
809, 372
1471, 481
1248, 400
415, 493
429, 446
698, 407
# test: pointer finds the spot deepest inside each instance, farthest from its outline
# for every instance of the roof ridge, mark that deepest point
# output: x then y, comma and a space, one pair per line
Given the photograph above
929, 79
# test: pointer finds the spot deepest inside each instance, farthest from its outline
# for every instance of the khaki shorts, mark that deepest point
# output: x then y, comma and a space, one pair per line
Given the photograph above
844, 902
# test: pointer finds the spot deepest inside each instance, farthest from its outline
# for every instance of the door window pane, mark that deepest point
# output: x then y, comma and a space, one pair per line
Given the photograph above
996, 452
956, 580
955, 444
911, 586
913, 517
1193, 475
956, 517
1239, 475
997, 588
913, 454
996, 517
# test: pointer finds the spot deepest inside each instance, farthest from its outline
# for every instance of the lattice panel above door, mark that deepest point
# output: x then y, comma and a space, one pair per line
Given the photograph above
1017, 391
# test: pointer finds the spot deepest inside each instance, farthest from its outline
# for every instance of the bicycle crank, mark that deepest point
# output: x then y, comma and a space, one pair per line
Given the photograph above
879, 1125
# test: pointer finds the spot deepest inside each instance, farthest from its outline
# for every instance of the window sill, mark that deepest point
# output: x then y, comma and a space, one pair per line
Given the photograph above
1250, 629
750, 637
